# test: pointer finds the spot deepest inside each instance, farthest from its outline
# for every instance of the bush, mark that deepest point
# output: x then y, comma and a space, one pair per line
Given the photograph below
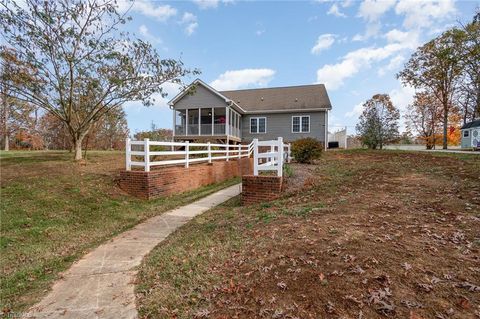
307, 149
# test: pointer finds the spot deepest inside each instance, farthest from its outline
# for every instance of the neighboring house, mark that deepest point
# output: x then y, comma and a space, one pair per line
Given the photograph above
202, 113
471, 134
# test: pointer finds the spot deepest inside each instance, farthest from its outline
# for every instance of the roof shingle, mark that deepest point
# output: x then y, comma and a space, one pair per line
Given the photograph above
304, 97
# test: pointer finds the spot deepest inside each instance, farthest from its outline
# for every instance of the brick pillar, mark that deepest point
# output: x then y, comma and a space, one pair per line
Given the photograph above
257, 189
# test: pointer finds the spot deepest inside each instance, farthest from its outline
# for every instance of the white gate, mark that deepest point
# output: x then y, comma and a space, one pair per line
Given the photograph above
272, 160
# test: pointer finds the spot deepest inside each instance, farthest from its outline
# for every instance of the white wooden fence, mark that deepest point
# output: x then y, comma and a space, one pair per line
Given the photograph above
140, 153
277, 153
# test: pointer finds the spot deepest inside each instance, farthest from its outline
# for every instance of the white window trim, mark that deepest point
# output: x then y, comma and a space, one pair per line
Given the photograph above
301, 132
258, 126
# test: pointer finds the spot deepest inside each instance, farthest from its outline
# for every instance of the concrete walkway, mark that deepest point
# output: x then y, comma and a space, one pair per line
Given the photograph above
101, 284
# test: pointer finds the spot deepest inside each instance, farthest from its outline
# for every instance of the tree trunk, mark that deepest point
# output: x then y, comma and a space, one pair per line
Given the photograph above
7, 143
78, 149
6, 114
445, 127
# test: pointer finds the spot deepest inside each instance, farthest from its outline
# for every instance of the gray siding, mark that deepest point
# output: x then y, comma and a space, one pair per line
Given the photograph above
280, 124
200, 98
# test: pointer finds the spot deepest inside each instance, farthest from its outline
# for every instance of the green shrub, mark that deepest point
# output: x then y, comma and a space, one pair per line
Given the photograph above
307, 149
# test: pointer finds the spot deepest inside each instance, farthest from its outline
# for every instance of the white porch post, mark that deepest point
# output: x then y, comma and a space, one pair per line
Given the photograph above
213, 120
199, 121
186, 122
227, 120
255, 156
174, 122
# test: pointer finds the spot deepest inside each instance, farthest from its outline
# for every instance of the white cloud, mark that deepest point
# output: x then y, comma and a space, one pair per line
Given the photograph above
206, 4
190, 22
324, 42
160, 12
372, 10
372, 29
334, 75
143, 30
401, 98
419, 14
394, 64
356, 111
395, 35
335, 10
210, 4
236, 79
260, 32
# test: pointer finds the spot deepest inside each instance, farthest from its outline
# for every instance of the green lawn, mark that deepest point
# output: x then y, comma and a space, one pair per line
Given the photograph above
53, 211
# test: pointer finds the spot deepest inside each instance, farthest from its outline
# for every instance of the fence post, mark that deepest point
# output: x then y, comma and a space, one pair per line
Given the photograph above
146, 152
228, 151
209, 147
187, 155
239, 150
128, 155
255, 156
280, 157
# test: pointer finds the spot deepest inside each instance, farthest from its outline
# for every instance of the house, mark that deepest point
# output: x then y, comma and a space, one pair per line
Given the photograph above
471, 134
202, 113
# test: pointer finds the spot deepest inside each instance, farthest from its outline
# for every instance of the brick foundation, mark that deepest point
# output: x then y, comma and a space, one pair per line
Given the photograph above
166, 181
256, 189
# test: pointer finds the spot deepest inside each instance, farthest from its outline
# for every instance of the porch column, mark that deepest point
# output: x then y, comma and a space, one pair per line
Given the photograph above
174, 122
213, 120
227, 120
199, 121
186, 122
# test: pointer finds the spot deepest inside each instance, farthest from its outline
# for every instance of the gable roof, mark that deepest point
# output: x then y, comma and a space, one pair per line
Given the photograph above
188, 89
474, 123
281, 99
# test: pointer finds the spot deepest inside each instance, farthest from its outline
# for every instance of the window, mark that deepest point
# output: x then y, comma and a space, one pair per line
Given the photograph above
258, 125
466, 133
301, 124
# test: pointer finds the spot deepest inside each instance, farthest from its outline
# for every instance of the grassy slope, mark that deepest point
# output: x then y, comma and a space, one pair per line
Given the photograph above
53, 211
332, 249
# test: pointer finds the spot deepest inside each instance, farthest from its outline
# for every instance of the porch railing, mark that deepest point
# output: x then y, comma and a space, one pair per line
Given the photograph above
205, 130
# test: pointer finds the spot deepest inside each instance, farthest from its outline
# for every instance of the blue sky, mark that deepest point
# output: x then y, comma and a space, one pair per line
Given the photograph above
353, 47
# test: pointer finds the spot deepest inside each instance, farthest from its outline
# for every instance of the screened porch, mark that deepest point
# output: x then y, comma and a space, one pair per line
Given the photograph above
211, 121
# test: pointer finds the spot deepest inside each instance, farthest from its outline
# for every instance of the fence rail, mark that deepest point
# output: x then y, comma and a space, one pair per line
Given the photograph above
148, 154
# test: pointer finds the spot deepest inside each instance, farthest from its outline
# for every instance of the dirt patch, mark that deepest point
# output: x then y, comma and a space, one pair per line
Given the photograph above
373, 235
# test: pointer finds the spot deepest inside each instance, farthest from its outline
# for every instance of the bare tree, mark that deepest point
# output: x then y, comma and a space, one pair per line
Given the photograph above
84, 65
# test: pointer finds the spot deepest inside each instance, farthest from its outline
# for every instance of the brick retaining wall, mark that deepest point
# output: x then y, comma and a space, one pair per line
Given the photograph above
256, 189
166, 181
